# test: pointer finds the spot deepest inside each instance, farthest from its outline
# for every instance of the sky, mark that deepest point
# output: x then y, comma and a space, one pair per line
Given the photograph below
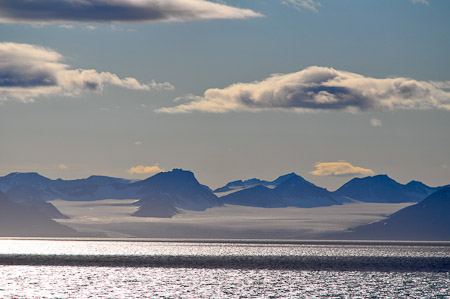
329, 89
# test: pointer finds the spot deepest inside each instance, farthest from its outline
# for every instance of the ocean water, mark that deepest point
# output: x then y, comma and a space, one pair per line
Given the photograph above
144, 269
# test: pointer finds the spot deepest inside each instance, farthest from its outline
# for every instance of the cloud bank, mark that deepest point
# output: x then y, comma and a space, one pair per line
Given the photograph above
321, 89
29, 71
340, 168
141, 169
125, 11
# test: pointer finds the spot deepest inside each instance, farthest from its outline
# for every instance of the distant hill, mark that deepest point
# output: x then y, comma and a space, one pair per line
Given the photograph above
428, 220
383, 189
18, 220
291, 191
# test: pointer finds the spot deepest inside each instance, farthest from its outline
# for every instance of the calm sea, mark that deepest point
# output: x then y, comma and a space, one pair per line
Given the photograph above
222, 269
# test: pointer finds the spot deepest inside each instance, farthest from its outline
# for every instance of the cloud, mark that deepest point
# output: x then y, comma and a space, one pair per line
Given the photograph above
138, 142
121, 11
420, 1
445, 166
376, 122
141, 169
340, 168
62, 166
321, 89
314, 4
29, 71
303, 4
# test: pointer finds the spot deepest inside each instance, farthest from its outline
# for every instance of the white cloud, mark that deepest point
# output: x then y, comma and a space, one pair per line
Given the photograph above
340, 168
445, 166
376, 122
303, 4
321, 89
29, 71
141, 169
138, 142
62, 166
121, 11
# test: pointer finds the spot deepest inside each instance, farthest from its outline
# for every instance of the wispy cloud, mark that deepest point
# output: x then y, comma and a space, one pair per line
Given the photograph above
314, 5
141, 169
125, 11
303, 4
29, 71
420, 1
376, 122
62, 166
321, 89
340, 168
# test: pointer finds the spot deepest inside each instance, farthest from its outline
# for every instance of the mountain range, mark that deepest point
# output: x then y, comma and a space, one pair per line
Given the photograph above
181, 188
25, 196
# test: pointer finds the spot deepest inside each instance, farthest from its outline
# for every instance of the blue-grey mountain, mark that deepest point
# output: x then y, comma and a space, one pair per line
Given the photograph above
427, 220
383, 189
292, 191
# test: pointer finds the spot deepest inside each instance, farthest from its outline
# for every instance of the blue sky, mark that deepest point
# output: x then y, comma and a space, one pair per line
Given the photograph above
362, 86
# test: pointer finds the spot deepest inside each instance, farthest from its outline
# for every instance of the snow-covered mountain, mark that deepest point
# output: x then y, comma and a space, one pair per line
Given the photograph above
292, 191
383, 189
426, 220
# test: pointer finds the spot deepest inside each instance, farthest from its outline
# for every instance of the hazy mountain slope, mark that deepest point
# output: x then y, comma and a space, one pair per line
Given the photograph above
427, 220
23, 221
44, 208
158, 208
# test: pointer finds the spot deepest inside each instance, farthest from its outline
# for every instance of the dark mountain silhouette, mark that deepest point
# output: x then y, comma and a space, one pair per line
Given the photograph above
239, 185
178, 187
428, 220
382, 188
18, 220
292, 191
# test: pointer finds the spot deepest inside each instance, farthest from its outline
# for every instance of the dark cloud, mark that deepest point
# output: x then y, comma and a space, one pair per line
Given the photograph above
105, 11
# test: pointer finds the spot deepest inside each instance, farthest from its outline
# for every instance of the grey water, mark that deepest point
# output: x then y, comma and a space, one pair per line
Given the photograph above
222, 269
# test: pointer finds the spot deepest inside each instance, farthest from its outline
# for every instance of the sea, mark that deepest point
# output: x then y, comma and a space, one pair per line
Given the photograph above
147, 268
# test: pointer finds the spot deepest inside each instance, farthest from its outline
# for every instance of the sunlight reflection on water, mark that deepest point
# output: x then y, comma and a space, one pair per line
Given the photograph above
104, 282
